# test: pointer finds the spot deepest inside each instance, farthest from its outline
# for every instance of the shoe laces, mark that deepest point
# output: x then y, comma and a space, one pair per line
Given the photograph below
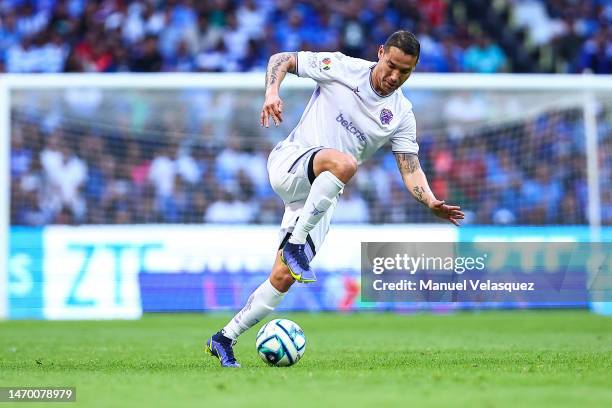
300, 255
230, 350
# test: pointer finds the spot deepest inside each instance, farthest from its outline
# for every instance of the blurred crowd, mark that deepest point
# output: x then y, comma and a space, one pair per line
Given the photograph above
156, 165
240, 35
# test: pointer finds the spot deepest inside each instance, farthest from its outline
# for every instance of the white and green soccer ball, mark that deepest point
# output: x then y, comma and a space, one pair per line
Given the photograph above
280, 342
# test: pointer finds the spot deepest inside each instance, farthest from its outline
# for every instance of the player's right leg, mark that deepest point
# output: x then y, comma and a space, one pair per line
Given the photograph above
328, 171
261, 303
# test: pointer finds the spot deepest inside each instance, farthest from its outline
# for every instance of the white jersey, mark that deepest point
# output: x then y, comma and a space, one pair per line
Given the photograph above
346, 113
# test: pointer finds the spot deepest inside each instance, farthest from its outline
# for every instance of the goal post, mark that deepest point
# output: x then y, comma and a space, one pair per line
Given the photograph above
5, 196
510, 104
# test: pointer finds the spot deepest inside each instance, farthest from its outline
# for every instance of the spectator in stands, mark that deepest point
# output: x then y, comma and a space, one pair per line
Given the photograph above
504, 183
253, 59
441, 159
462, 111
227, 209
351, 208
468, 166
177, 205
146, 207
596, 53
139, 165
9, 37
208, 34
484, 56
21, 155
199, 205
292, 31
120, 59
451, 56
569, 211
147, 58
162, 175
66, 174
540, 196
181, 61
533, 15
31, 21
216, 59
567, 45
236, 38
19, 57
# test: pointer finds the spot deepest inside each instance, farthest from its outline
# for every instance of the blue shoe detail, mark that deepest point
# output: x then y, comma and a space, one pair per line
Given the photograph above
294, 257
222, 347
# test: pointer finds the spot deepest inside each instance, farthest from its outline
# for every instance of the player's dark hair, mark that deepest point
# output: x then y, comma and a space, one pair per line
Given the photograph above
405, 41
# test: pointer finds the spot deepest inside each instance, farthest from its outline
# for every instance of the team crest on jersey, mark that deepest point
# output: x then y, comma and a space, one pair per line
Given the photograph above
386, 116
326, 64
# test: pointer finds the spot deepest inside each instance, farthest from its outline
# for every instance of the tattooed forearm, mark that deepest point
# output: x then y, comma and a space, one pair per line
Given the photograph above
414, 178
408, 163
275, 65
419, 192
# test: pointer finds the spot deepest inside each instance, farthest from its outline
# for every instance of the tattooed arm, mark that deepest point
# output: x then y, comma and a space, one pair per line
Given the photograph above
416, 182
278, 65
414, 178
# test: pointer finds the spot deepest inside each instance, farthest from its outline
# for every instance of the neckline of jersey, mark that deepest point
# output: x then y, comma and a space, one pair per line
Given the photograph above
372, 85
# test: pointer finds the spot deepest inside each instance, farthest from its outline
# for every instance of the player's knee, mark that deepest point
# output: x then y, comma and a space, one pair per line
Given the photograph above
352, 165
345, 166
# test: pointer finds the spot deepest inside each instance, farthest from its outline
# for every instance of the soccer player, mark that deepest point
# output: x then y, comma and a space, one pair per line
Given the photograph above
356, 107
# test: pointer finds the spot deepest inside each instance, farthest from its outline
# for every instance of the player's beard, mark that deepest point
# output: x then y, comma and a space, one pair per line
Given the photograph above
388, 87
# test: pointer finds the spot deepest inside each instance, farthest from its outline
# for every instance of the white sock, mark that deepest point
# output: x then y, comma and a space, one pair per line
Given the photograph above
261, 302
324, 189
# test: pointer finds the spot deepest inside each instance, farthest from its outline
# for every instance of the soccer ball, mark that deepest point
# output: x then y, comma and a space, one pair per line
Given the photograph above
280, 342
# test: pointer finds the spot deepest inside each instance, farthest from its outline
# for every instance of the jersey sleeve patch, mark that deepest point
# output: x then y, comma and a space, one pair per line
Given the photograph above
320, 66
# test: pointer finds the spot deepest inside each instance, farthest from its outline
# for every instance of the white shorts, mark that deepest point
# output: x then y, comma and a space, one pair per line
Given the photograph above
288, 171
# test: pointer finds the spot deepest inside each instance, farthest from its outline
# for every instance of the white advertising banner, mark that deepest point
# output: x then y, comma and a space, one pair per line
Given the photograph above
92, 272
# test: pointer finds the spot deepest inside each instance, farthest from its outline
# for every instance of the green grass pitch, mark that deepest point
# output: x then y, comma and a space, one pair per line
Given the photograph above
491, 359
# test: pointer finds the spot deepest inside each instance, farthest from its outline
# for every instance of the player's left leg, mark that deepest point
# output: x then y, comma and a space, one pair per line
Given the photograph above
261, 303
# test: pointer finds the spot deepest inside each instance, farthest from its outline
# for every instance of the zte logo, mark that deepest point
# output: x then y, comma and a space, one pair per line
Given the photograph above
351, 128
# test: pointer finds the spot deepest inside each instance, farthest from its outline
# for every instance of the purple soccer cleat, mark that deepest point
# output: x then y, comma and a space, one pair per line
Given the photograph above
294, 257
222, 347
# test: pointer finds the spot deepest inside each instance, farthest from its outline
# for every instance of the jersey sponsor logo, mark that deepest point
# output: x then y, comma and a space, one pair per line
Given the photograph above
326, 64
386, 116
352, 129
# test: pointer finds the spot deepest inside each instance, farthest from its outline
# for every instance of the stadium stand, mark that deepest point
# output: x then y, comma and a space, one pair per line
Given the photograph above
223, 35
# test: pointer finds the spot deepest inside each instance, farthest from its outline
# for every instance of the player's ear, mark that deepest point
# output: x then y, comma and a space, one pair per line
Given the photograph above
381, 52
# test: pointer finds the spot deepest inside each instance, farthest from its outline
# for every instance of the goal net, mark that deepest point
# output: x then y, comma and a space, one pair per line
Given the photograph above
147, 151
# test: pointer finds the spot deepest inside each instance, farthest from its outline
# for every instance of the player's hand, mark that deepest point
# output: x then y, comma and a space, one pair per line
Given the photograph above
452, 213
272, 107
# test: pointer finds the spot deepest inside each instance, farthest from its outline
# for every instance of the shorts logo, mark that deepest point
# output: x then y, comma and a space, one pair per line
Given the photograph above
326, 64
386, 116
